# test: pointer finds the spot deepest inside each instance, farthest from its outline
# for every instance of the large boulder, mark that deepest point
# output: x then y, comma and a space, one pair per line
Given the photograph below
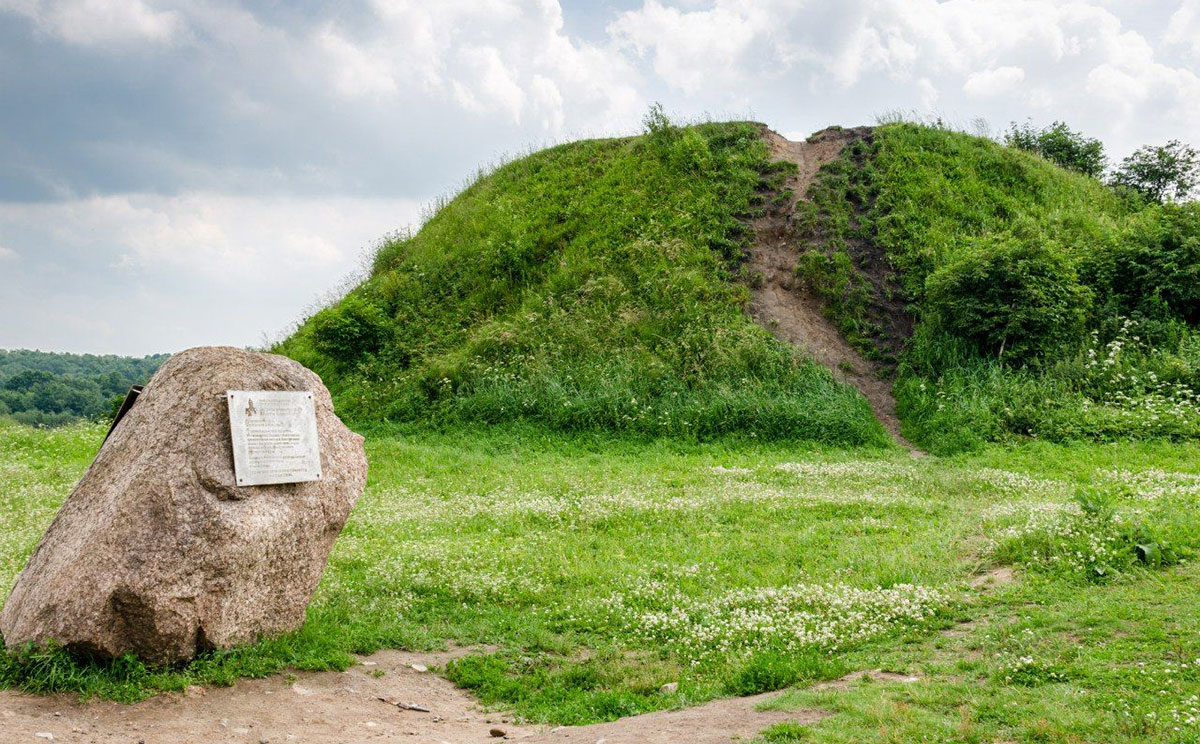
157, 552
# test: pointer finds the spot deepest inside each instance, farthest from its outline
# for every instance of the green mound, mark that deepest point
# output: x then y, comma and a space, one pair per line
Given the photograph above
596, 286
1045, 304
588, 287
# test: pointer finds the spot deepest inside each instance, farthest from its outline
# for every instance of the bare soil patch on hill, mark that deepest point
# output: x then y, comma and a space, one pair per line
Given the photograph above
779, 300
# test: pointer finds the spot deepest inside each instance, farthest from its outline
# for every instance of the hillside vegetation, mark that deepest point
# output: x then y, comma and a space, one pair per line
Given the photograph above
1047, 304
1042, 592
598, 286
590, 286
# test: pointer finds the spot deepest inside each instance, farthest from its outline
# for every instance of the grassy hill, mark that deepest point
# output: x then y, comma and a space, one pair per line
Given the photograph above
1039, 592
597, 286
591, 286
1046, 304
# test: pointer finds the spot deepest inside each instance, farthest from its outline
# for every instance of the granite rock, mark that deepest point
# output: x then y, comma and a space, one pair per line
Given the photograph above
157, 552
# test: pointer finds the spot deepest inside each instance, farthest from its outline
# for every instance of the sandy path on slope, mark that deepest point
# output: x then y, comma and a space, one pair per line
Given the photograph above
781, 304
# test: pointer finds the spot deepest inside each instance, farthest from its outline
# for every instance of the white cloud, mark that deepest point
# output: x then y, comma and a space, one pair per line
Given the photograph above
97, 22
929, 94
1088, 62
496, 57
547, 101
848, 41
190, 269
222, 237
8, 254
698, 48
994, 82
1183, 29
503, 57
488, 84
355, 73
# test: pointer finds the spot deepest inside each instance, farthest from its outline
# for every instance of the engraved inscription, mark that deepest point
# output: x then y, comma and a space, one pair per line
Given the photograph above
274, 437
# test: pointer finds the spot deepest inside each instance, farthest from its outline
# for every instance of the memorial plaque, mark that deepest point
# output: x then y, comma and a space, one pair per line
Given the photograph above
274, 437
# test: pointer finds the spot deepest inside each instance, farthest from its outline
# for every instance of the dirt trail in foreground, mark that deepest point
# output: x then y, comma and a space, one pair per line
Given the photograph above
780, 302
345, 708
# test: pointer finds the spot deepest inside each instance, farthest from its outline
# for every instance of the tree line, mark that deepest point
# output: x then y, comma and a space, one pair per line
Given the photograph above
1154, 173
50, 389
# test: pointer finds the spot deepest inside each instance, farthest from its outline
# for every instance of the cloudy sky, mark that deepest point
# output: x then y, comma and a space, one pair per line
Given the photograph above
200, 172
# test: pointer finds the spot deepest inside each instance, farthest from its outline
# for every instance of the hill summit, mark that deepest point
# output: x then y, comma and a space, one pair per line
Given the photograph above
720, 280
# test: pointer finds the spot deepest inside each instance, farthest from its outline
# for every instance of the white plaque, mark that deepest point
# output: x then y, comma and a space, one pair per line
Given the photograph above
274, 437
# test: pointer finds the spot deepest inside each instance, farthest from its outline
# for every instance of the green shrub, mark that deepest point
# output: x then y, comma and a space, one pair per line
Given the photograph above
661, 134
350, 330
690, 152
996, 249
939, 190
1059, 144
1100, 535
1015, 298
1152, 268
1165, 173
1113, 387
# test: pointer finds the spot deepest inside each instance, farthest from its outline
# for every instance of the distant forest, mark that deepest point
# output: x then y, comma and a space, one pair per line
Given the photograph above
50, 389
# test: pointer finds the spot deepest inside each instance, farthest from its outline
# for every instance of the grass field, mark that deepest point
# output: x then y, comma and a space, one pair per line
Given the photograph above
600, 569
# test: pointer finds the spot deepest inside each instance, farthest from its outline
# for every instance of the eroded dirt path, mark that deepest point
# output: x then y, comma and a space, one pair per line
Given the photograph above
780, 302
346, 708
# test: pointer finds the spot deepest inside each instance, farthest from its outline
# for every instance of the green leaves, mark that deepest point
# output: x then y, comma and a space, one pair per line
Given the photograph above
1152, 266
350, 330
1015, 298
1167, 173
1059, 144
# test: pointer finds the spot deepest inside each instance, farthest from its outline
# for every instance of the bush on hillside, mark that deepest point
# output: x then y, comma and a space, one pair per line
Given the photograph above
938, 191
995, 248
1116, 385
351, 329
1152, 269
660, 133
1059, 144
1015, 298
684, 148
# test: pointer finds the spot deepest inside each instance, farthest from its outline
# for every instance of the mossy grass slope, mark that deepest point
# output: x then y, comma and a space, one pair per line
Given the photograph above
596, 287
